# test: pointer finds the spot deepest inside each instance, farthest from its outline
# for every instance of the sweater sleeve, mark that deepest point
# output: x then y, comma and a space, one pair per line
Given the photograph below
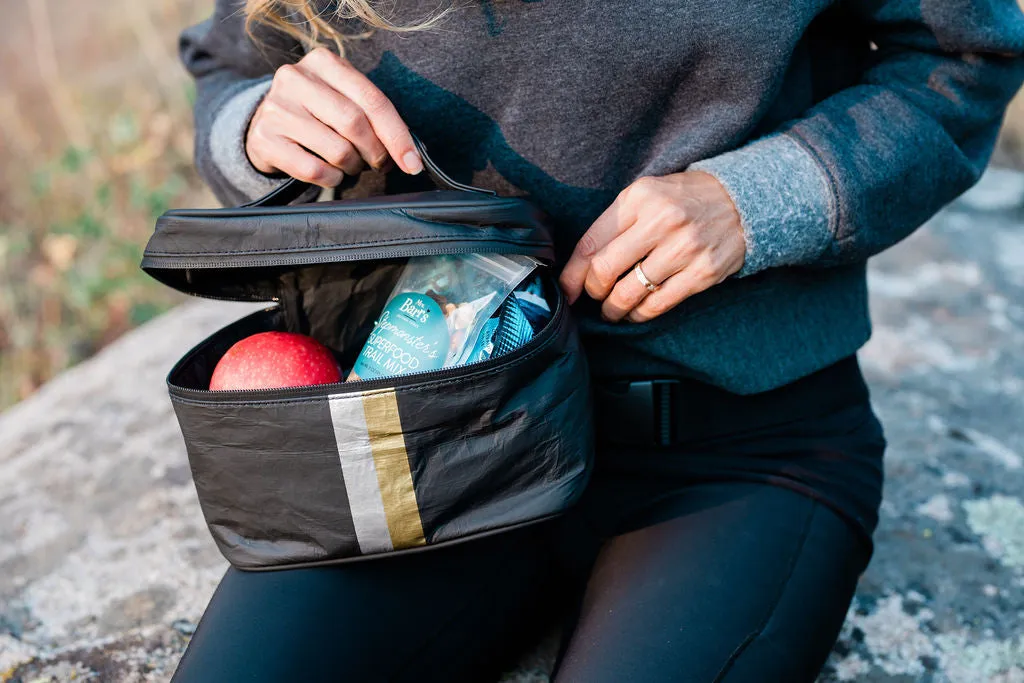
864, 168
232, 74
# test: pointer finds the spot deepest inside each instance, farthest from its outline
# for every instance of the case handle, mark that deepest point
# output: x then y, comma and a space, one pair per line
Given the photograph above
293, 188
442, 179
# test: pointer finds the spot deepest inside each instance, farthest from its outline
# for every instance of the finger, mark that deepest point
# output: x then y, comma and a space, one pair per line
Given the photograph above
693, 278
672, 257
670, 294
298, 162
627, 295
323, 141
666, 258
384, 119
344, 117
615, 220
613, 264
672, 254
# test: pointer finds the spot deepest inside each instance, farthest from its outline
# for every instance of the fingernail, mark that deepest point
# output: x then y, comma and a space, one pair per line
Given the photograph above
413, 163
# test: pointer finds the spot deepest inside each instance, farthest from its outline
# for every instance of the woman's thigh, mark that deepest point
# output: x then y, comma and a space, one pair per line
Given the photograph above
729, 582
448, 615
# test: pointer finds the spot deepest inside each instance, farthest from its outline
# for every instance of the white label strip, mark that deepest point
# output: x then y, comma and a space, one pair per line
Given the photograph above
360, 473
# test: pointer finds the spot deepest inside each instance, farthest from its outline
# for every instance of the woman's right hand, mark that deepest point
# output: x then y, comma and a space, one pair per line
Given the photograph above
323, 119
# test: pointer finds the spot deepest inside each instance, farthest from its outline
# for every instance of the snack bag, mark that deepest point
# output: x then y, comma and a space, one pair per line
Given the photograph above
520, 317
436, 312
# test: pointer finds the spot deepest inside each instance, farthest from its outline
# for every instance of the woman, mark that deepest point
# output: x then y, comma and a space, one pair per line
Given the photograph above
718, 174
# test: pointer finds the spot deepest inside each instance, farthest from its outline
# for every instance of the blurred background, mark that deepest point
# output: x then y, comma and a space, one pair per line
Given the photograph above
95, 142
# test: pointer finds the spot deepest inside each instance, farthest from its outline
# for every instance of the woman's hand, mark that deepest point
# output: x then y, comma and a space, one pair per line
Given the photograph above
322, 119
684, 231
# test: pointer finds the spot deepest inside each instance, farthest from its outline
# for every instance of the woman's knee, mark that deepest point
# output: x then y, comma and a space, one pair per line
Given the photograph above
795, 639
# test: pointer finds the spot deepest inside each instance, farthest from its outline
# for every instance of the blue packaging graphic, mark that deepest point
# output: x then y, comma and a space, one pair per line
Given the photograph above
411, 335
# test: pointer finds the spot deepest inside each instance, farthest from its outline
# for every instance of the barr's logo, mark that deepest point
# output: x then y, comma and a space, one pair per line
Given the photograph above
414, 310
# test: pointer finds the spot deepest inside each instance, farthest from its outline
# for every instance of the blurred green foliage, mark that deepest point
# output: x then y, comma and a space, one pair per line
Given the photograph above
96, 144
69, 266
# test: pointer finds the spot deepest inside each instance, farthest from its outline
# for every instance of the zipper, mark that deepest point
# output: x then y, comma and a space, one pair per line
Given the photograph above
311, 258
348, 205
335, 388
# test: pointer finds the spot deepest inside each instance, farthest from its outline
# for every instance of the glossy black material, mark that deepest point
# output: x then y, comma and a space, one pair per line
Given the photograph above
490, 446
226, 253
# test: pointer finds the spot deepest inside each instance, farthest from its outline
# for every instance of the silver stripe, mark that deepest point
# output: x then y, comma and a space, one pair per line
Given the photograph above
360, 473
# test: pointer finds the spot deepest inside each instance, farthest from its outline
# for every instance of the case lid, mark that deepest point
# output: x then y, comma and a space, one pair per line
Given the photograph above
239, 253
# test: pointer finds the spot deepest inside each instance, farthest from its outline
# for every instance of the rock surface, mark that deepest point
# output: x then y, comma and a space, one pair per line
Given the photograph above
105, 563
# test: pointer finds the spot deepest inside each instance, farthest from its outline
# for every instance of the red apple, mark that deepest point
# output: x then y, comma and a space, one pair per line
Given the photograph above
271, 360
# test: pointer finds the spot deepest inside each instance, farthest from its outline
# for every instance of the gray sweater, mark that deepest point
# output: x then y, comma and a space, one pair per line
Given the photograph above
837, 127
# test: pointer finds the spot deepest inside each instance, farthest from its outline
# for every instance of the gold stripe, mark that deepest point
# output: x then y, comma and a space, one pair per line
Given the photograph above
387, 443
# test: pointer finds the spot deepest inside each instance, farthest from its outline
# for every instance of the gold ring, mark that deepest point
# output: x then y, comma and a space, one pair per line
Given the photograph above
650, 286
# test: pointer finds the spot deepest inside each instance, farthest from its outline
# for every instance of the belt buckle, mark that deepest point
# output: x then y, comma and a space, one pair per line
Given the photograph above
642, 406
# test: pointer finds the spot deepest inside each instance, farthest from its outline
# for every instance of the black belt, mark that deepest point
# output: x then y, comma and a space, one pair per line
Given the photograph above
669, 411
642, 410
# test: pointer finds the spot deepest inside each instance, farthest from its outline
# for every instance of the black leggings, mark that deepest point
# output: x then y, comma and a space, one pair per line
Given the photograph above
670, 570
731, 582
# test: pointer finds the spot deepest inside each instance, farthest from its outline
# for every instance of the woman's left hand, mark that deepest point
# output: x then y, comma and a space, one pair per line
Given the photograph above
684, 231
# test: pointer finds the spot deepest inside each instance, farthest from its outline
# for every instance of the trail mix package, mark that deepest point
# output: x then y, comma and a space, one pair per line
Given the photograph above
438, 313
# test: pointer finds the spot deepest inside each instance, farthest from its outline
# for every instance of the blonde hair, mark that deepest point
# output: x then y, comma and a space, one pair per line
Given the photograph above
314, 25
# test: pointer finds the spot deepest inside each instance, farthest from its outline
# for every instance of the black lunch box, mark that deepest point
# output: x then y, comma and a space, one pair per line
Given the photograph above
332, 473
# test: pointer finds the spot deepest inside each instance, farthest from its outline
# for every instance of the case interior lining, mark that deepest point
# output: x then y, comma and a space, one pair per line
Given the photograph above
336, 304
